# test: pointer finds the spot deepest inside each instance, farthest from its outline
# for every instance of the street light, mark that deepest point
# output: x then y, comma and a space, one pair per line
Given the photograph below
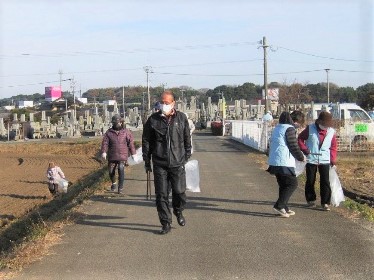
328, 86
264, 46
148, 69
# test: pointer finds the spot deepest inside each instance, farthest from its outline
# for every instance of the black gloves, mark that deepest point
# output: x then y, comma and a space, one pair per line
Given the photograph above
185, 160
147, 166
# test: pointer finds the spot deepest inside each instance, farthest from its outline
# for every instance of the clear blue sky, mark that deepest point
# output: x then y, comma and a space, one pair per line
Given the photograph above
202, 44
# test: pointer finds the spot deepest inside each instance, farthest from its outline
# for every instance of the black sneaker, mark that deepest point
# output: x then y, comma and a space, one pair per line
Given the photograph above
113, 187
311, 204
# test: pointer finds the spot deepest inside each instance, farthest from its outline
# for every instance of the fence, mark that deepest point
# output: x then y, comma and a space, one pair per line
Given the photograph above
354, 137
351, 137
254, 134
355, 159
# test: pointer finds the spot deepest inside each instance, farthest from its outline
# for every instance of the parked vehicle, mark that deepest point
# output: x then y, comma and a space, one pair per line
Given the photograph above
371, 114
354, 126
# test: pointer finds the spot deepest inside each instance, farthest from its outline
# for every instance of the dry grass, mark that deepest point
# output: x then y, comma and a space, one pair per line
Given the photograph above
356, 173
54, 147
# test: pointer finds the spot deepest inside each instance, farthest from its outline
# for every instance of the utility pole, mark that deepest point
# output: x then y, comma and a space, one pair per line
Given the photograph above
143, 107
60, 73
123, 101
72, 85
328, 86
148, 69
264, 46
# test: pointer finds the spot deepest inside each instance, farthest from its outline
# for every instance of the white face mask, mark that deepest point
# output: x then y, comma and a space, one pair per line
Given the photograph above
166, 108
323, 127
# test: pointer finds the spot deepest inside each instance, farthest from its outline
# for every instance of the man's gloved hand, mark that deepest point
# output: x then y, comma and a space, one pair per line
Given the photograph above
103, 155
185, 160
147, 166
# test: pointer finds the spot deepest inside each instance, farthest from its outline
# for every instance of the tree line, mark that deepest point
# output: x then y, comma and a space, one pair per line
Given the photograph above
295, 93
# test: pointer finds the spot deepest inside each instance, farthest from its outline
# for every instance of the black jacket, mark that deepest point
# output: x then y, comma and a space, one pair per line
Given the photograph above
167, 144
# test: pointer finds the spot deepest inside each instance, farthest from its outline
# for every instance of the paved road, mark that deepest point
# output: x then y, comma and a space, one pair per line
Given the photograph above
231, 231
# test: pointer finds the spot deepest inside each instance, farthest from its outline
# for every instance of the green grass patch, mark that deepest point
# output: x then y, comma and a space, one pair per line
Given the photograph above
364, 210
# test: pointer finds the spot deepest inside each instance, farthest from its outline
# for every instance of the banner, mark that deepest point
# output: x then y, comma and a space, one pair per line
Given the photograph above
273, 94
52, 93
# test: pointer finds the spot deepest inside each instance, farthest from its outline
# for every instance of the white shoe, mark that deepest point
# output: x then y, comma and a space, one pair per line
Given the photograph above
290, 212
325, 207
281, 212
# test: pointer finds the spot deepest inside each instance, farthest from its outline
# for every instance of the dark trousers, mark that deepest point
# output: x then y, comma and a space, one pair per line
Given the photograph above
120, 166
166, 180
287, 185
325, 189
52, 188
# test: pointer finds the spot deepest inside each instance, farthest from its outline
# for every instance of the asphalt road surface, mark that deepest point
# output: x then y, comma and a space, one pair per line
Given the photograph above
231, 231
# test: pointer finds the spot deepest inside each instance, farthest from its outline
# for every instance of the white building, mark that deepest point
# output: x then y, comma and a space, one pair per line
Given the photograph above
82, 100
9, 107
109, 102
24, 104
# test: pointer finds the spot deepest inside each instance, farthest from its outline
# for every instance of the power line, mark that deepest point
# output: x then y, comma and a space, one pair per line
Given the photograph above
122, 51
33, 84
218, 75
257, 74
208, 63
325, 57
136, 68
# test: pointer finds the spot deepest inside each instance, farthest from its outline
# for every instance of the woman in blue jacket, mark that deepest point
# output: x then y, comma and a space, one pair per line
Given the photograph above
283, 152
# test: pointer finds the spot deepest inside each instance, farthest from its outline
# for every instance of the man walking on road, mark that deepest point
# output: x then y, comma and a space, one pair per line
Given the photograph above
166, 141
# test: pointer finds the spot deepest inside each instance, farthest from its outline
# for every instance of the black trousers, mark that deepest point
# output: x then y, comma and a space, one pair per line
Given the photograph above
52, 188
325, 189
120, 166
166, 180
287, 185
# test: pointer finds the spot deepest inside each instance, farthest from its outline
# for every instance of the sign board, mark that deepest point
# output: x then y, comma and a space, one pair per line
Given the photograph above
361, 127
52, 93
273, 94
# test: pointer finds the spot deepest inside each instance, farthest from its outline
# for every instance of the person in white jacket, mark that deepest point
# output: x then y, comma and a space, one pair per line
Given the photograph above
54, 173
192, 128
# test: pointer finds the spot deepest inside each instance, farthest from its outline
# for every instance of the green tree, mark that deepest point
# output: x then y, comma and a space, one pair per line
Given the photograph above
365, 95
344, 95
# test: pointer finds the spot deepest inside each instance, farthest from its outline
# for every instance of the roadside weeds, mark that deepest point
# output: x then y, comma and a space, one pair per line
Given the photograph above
29, 238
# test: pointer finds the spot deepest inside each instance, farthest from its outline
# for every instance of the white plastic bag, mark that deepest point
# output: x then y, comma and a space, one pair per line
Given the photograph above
337, 194
137, 158
192, 176
300, 167
62, 185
